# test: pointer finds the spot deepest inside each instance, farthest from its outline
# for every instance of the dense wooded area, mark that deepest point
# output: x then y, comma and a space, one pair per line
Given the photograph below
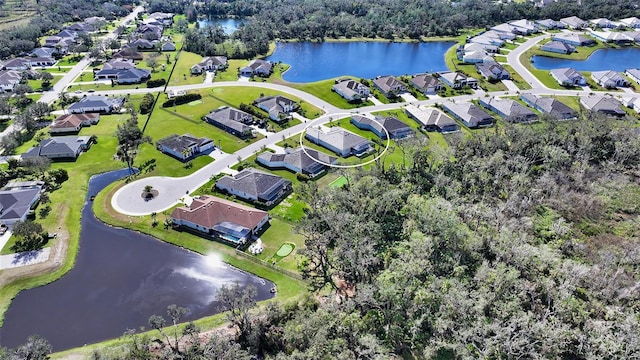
388, 19
52, 16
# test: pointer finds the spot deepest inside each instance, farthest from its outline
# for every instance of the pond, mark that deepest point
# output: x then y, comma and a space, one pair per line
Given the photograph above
312, 61
228, 25
600, 60
120, 278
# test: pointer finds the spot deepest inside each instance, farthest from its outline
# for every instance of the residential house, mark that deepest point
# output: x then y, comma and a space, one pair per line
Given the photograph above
80, 27
339, 140
548, 105
95, 21
389, 86
168, 46
507, 28
427, 84
184, 146
457, 80
255, 185
221, 218
631, 22
634, 35
351, 90
393, 126
257, 67
493, 71
165, 18
525, 27
119, 64
574, 22
17, 204
96, 103
558, 47
509, 109
141, 45
43, 52
278, 107
40, 61
475, 57
51, 41
231, 120
60, 147
469, 114
432, 119
149, 32
72, 123
633, 74
609, 79
305, 161
486, 39
602, 23
568, 77
550, 24
17, 64
9, 79
632, 103
210, 63
573, 38
603, 104
612, 37
124, 76
67, 34
128, 54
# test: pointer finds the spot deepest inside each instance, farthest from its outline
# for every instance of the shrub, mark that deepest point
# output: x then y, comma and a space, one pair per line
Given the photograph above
156, 83
182, 99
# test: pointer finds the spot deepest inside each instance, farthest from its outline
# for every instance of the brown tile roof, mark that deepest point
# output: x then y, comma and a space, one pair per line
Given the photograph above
72, 120
209, 210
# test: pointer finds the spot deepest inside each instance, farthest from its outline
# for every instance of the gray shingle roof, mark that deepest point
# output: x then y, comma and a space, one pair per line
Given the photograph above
254, 182
15, 204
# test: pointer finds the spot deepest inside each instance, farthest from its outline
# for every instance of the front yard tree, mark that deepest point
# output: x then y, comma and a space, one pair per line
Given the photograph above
26, 121
46, 78
152, 62
30, 236
130, 137
40, 109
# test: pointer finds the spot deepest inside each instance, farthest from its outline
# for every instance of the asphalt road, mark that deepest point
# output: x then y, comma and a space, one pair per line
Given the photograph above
128, 199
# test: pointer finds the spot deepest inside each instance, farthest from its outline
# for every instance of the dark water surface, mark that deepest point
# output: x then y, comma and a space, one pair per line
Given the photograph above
600, 60
318, 61
120, 279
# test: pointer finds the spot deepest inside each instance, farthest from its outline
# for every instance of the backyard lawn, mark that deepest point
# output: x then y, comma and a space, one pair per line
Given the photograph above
182, 73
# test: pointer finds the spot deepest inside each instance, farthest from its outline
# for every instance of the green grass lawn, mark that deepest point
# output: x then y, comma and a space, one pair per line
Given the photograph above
231, 73
69, 60
187, 118
182, 73
322, 90
517, 79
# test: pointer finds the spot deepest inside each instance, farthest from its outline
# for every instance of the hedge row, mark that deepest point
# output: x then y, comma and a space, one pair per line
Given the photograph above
182, 99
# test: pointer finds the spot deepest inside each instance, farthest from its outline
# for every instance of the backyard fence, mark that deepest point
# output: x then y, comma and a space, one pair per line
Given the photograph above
271, 265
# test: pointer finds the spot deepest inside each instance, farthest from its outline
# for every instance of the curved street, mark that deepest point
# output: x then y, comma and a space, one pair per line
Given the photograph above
128, 199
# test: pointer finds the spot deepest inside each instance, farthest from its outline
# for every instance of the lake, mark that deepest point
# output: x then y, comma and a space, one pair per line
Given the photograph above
312, 61
600, 60
120, 278
228, 25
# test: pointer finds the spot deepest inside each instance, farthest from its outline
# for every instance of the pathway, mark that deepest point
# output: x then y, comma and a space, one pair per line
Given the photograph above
513, 58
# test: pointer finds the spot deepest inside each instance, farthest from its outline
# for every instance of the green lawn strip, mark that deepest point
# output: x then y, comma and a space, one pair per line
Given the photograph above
322, 90
290, 209
231, 73
182, 73
69, 60
517, 79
